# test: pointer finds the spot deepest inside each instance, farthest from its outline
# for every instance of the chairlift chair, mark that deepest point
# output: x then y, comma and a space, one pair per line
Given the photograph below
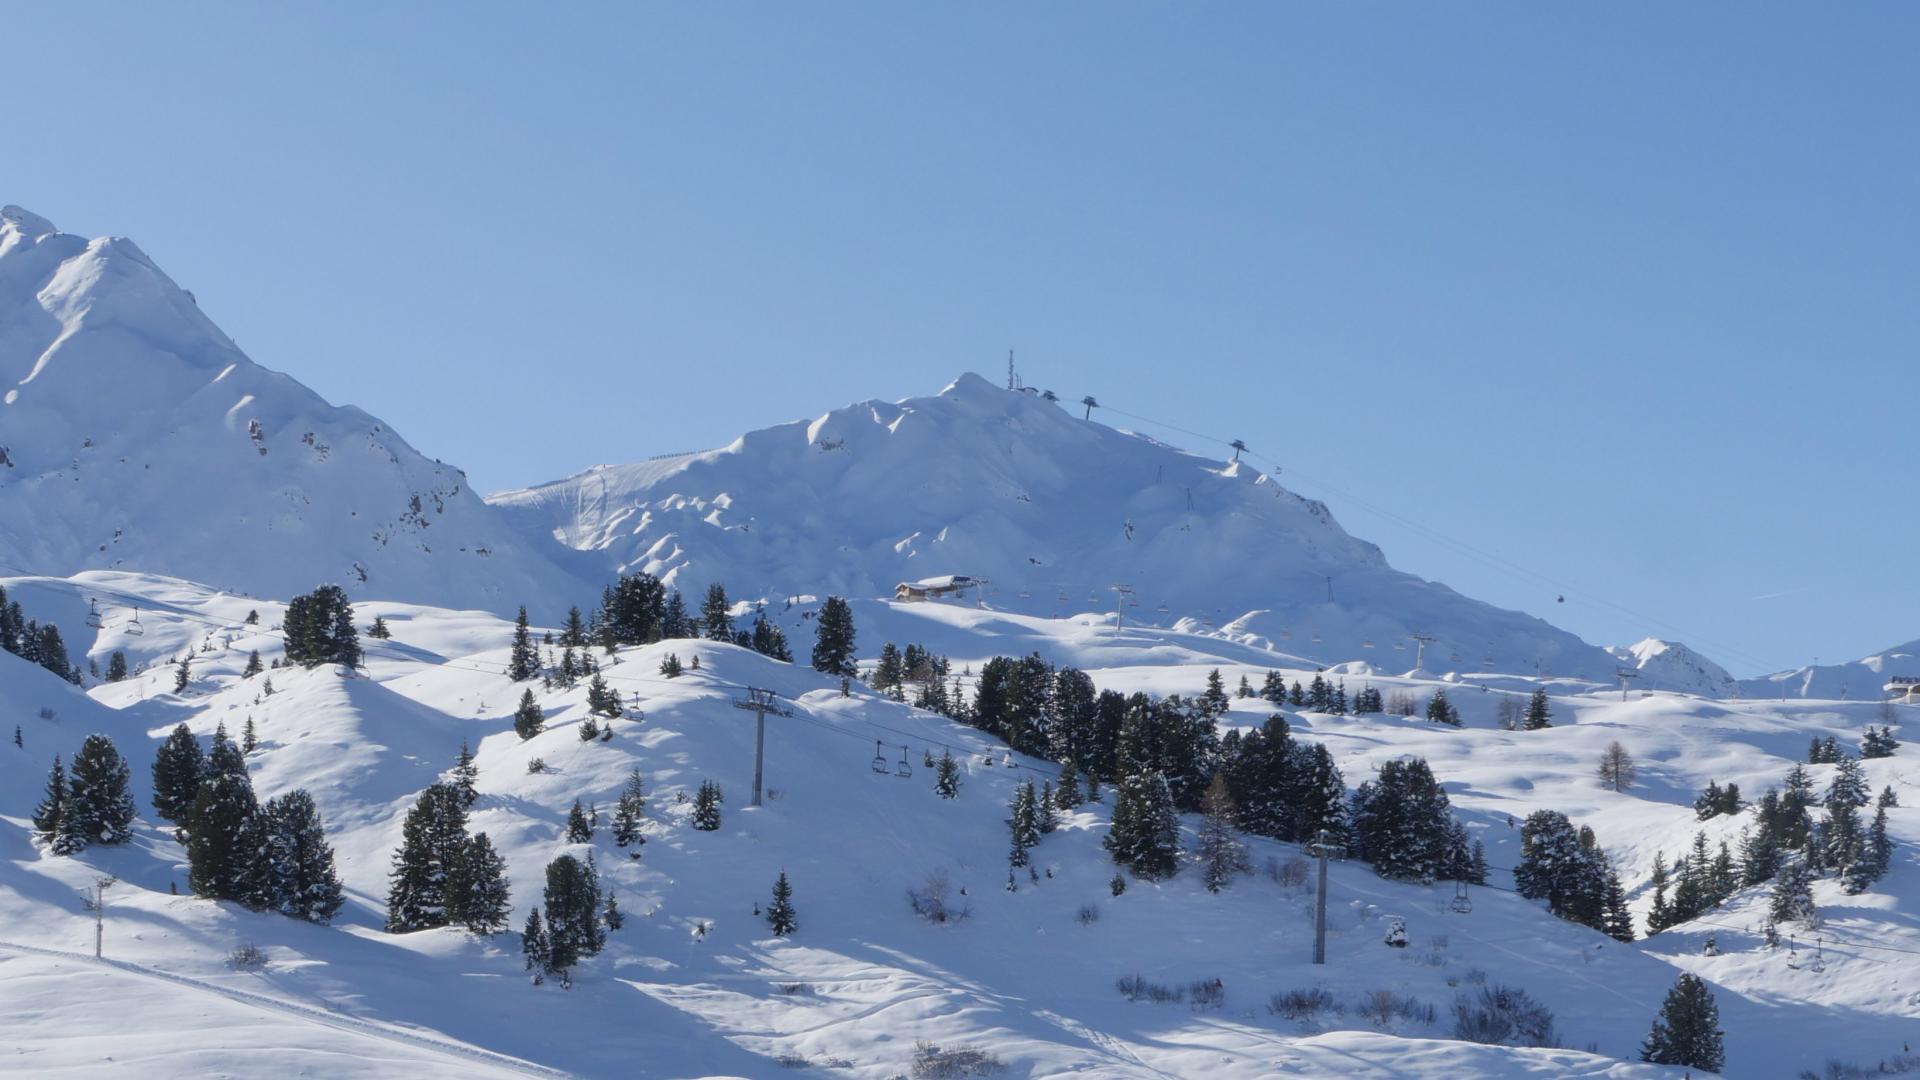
880, 764
1399, 646
1367, 644
1461, 903
1316, 637
904, 770
133, 625
1008, 761
93, 613
1024, 594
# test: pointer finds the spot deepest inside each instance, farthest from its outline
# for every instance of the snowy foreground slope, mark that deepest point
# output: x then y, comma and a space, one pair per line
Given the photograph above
134, 433
1051, 509
864, 978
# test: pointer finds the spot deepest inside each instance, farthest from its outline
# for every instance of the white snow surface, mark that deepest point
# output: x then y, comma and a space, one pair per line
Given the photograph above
1022, 978
135, 434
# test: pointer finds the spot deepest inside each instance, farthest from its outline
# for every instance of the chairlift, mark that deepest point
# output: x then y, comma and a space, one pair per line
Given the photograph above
1062, 597
1456, 658
1025, 595
1164, 609
1008, 761
133, 625
1285, 634
880, 764
1461, 903
93, 613
904, 770
1316, 637
1399, 646
1367, 644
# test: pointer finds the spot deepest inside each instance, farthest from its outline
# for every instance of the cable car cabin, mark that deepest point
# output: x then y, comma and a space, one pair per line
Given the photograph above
1903, 688
934, 588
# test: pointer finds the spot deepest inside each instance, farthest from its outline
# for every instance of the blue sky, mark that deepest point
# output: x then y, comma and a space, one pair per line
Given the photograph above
1622, 296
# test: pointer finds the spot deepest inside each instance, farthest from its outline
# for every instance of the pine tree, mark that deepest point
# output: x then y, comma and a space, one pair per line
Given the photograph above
528, 720
1792, 897
1849, 786
572, 902
319, 629
224, 758
1879, 743
178, 767
1687, 1032
1400, 821
946, 776
117, 666
249, 738
1874, 859
706, 806
1145, 836
674, 621
714, 617
223, 856
1067, 795
1245, 689
1274, 688
465, 773
1441, 711
254, 667
834, 639
1221, 854
1297, 697
780, 916
1538, 714
299, 861
53, 805
1214, 698
537, 948
1616, 920
99, 803
379, 628
522, 662
769, 640
1617, 770
670, 667
630, 813
579, 829
1023, 824
477, 888
611, 914
574, 633
433, 840
600, 700
183, 673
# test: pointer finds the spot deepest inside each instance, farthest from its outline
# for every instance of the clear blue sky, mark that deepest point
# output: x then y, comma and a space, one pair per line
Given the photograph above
1625, 294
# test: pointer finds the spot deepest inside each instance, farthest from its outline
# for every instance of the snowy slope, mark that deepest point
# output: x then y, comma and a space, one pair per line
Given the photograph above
135, 434
1022, 978
1051, 509
1671, 665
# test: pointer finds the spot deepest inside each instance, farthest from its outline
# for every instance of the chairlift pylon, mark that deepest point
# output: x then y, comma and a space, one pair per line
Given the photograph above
880, 760
904, 771
93, 613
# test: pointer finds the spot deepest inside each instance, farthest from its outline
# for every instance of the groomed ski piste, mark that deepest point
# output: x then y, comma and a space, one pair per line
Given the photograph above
1026, 978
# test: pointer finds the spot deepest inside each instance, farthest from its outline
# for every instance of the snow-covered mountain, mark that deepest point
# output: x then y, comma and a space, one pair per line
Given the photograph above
1050, 509
1670, 665
1861, 679
135, 434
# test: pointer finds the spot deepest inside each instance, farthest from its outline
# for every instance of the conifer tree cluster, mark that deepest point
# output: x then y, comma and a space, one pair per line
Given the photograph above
1717, 800
442, 876
87, 802
1442, 711
1281, 787
1878, 743
630, 814
36, 643
319, 629
271, 857
1403, 825
1570, 871
572, 928
1145, 837
1023, 824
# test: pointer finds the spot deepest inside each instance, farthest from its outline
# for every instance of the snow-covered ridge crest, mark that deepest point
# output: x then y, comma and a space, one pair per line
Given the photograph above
1052, 510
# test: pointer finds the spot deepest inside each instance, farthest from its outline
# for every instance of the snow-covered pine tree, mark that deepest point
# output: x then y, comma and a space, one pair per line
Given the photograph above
1023, 824
1539, 714
537, 947
1221, 854
769, 640
1245, 689
1849, 785
46, 816
99, 804
630, 812
433, 840
579, 829
249, 737
780, 914
254, 667
602, 701
573, 633
1687, 1032
674, 620
1274, 688
706, 806
1145, 836
1792, 897
223, 859
670, 667
528, 719
1214, 698
611, 915
1400, 821
178, 767
477, 888
1441, 711
117, 666
302, 882
834, 639
465, 774
1874, 858
183, 673
946, 776
379, 628
1879, 742
319, 629
522, 662
572, 904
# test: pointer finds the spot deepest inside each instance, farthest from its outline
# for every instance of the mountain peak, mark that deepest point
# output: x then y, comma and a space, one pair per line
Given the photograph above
26, 222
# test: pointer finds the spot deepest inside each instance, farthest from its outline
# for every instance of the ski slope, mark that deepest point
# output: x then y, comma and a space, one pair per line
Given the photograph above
1022, 978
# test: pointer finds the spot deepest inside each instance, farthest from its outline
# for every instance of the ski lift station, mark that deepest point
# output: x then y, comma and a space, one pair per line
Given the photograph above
934, 588
1903, 688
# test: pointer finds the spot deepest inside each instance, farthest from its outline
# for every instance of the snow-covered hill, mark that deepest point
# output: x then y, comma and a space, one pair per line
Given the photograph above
1670, 665
1861, 679
1050, 509
1024, 978
135, 434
